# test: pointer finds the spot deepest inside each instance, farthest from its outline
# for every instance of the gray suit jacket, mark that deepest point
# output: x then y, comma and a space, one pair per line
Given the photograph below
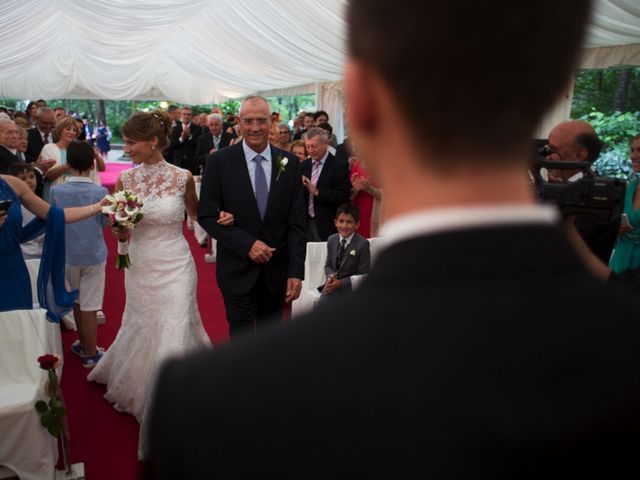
357, 259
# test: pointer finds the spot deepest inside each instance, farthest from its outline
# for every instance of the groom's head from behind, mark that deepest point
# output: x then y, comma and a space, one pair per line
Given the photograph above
455, 81
255, 122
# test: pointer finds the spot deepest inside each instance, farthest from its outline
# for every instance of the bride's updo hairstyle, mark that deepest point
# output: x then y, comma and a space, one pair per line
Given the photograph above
143, 126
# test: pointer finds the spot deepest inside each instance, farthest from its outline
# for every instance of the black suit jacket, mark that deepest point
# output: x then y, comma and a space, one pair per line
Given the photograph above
298, 135
454, 359
226, 185
205, 144
6, 159
183, 153
34, 144
333, 187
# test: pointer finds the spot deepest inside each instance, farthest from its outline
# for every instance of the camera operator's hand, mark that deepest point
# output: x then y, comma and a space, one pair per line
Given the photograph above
624, 229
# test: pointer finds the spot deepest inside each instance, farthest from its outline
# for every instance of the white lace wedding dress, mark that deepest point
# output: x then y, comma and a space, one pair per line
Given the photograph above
161, 317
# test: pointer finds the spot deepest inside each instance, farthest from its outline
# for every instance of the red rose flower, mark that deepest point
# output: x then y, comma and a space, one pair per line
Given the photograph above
48, 361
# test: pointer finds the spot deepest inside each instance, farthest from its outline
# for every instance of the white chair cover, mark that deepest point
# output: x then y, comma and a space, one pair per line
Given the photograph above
25, 445
314, 276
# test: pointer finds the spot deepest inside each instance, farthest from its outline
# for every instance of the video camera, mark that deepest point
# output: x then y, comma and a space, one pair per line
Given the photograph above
600, 197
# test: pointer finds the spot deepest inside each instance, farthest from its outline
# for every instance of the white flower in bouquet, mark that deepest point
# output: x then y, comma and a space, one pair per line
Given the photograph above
131, 210
109, 209
121, 216
120, 196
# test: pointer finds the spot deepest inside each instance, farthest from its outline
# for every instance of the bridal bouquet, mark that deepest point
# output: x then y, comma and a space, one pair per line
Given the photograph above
124, 212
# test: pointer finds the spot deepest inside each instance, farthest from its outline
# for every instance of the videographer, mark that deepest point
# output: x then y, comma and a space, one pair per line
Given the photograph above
624, 266
577, 141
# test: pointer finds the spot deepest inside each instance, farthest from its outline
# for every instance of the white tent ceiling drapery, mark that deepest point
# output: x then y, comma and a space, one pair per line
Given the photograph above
194, 51
614, 35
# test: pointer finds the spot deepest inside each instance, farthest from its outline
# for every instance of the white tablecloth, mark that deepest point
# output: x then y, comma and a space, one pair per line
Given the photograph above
25, 445
33, 265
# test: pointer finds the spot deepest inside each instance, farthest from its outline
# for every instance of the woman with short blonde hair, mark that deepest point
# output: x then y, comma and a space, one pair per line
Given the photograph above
65, 132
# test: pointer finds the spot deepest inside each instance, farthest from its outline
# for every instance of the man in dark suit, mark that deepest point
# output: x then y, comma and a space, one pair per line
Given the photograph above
184, 141
327, 183
260, 259
87, 129
309, 122
174, 114
479, 346
213, 140
41, 135
9, 139
8, 144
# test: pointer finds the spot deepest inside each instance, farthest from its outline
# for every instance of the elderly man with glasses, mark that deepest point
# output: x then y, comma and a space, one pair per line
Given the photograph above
261, 257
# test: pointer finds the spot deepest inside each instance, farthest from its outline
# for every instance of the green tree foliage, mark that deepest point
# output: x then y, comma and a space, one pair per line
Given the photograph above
606, 91
230, 106
615, 130
610, 101
289, 107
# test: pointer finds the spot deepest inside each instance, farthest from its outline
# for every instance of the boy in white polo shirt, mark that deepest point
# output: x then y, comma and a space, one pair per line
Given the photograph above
86, 252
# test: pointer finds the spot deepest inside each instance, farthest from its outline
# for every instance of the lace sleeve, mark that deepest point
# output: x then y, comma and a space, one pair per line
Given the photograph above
183, 175
125, 179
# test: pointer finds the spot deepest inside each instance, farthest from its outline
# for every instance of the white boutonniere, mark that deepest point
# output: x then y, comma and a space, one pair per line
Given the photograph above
352, 253
282, 164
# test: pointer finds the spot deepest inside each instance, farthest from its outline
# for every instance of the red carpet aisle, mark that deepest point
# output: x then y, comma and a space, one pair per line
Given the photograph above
102, 438
110, 175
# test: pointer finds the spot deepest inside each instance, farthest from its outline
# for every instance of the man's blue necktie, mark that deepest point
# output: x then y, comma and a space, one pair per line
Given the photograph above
262, 192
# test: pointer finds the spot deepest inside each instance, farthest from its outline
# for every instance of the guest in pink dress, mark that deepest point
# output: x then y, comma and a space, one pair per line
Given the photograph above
367, 198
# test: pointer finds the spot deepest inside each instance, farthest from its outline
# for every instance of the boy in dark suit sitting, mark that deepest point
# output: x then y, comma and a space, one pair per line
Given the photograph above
347, 252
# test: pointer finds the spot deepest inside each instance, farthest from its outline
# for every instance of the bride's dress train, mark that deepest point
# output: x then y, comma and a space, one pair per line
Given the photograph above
161, 317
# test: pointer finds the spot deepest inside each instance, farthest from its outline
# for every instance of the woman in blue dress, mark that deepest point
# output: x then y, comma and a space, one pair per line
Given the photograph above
626, 253
103, 137
15, 285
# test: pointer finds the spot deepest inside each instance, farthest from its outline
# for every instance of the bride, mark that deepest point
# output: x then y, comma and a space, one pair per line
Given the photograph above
161, 317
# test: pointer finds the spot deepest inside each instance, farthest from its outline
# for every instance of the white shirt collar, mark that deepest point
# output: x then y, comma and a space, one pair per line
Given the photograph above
348, 239
249, 154
323, 159
432, 221
79, 179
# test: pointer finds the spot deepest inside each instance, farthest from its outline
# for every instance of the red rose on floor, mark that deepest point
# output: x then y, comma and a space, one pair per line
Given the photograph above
48, 361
